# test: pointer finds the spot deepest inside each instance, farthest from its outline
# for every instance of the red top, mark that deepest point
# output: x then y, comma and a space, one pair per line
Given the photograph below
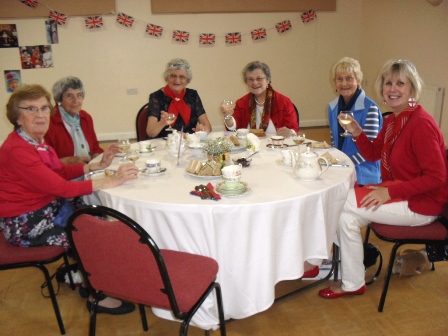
60, 139
27, 184
419, 159
283, 113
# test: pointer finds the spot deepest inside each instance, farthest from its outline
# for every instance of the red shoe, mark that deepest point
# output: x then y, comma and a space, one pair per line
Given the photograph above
327, 293
312, 273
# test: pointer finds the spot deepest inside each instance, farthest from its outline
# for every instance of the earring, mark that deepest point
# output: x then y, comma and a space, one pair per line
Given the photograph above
412, 102
18, 123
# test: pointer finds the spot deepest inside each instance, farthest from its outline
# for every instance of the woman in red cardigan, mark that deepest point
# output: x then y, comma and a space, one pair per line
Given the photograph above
71, 131
263, 107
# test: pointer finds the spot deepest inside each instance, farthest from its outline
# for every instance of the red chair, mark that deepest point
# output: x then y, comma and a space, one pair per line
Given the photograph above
140, 123
401, 235
19, 257
119, 258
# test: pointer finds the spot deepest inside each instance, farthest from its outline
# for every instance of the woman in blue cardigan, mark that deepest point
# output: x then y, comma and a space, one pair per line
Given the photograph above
347, 78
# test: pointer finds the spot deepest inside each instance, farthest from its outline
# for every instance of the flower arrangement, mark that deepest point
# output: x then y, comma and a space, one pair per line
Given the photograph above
217, 147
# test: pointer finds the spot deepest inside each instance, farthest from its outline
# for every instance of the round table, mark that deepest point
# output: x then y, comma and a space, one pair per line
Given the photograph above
258, 239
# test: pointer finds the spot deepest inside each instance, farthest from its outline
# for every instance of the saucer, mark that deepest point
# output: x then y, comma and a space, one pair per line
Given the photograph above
221, 189
276, 147
241, 187
282, 163
161, 171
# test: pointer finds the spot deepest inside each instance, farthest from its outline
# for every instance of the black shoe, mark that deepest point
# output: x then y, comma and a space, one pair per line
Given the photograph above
83, 292
125, 308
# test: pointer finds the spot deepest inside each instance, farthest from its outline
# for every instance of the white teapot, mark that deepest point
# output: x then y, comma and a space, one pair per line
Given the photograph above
306, 166
172, 144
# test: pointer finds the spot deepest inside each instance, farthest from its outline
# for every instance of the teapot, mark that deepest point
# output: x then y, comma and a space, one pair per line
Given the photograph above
172, 144
306, 165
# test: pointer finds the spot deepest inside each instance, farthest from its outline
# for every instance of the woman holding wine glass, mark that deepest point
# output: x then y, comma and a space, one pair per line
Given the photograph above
414, 169
175, 105
263, 107
352, 103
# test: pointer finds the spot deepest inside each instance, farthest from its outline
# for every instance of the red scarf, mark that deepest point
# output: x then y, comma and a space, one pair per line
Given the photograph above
266, 116
392, 132
178, 104
48, 156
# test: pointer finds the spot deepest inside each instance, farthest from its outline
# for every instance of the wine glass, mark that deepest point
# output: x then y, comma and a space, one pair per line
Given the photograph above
134, 156
170, 120
345, 118
124, 145
228, 106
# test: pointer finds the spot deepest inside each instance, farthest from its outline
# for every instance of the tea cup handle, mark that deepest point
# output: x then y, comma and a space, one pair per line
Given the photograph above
326, 164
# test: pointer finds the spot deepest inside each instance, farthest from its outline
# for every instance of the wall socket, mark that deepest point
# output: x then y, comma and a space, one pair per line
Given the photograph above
132, 91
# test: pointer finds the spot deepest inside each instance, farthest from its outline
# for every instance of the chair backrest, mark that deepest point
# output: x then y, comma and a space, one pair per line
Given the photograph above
298, 115
120, 259
140, 123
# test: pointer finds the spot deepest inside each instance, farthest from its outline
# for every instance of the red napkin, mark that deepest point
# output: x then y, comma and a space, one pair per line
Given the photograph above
211, 189
360, 192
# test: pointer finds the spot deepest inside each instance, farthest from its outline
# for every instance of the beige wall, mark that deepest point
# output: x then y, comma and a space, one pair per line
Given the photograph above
115, 58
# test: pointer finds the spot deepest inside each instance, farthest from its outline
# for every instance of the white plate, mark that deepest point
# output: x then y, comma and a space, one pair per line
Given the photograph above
240, 148
280, 162
271, 147
211, 177
247, 191
97, 174
222, 187
161, 171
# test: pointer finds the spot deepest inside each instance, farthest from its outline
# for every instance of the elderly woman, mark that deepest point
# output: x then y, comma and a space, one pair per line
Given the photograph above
347, 77
175, 98
71, 131
262, 108
414, 171
33, 180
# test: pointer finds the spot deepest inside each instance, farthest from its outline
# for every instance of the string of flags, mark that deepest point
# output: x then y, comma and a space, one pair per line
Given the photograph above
96, 22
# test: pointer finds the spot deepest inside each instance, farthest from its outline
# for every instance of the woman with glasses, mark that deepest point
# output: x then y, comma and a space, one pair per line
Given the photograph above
175, 98
347, 77
263, 107
71, 131
414, 167
34, 182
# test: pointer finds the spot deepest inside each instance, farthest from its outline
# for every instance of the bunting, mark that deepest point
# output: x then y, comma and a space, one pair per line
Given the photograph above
207, 38
58, 18
233, 38
154, 30
94, 22
309, 16
283, 26
258, 34
29, 3
125, 20
181, 36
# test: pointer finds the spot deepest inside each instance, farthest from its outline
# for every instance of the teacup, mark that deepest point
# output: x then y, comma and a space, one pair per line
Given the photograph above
153, 165
193, 138
277, 140
196, 150
241, 133
201, 134
231, 182
287, 156
231, 170
145, 146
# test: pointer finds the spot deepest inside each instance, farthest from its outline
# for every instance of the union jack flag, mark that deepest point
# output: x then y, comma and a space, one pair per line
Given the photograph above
207, 38
233, 38
258, 34
154, 30
283, 26
57, 17
93, 22
125, 20
309, 16
181, 36
29, 3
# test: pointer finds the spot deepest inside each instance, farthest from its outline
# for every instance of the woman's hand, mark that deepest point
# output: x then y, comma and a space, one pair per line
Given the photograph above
353, 127
164, 118
283, 131
199, 127
126, 172
375, 198
109, 155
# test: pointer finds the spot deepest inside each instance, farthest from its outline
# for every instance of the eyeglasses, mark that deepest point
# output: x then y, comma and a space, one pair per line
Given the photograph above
408, 63
181, 77
72, 96
257, 79
34, 109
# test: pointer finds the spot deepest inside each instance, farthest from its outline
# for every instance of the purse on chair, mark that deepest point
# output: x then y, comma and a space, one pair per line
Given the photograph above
371, 254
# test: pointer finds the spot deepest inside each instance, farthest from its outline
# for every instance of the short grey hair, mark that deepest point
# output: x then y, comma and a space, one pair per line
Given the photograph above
400, 67
347, 65
178, 64
254, 66
64, 84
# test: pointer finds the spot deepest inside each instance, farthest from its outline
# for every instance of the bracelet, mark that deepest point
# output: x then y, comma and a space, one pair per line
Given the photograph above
354, 138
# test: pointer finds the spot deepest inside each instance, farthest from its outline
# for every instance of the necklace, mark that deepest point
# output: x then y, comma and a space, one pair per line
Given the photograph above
258, 102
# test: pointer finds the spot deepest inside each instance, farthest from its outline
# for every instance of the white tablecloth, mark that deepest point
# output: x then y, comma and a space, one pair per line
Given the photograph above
258, 239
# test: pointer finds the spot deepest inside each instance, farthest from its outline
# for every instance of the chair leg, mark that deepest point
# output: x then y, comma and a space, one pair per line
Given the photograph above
388, 275
336, 261
92, 326
222, 322
53, 297
143, 317
70, 278
207, 333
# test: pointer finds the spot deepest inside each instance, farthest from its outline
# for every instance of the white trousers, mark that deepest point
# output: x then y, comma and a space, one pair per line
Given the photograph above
352, 220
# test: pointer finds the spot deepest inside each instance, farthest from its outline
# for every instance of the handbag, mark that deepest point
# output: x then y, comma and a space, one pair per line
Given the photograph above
371, 254
68, 207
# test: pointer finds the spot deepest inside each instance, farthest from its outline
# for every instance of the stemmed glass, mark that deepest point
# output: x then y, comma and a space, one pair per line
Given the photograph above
345, 118
134, 156
170, 120
228, 106
124, 145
